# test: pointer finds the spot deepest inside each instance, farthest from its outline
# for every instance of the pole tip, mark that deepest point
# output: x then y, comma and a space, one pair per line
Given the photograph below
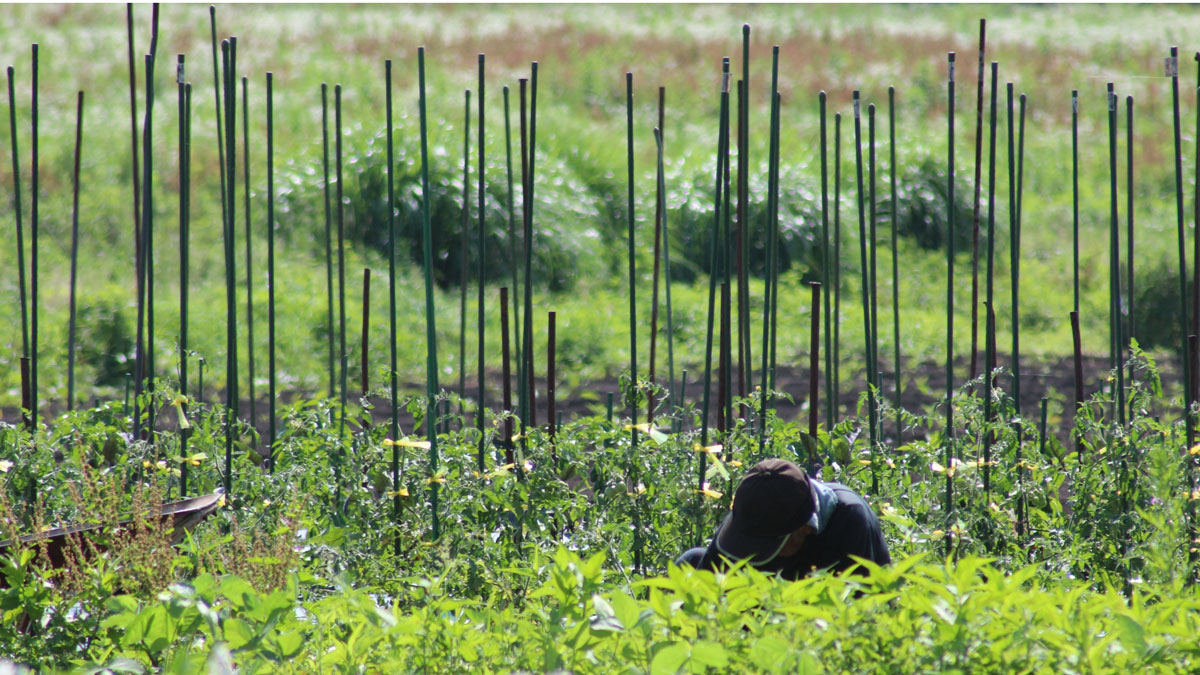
821, 96
951, 55
855, 94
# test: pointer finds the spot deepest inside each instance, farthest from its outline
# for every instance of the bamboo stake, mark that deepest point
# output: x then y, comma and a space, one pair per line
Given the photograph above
658, 220
133, 133
331, 339
16, 173
394, 385
1075, 190
975, 209
876, 376
814, 349
896, 256
271, 370
341, 251
249, 267
768, 291
672, 401
949, 436
231, 399
463, 250
481, 257
835, 401
364, 383
74, 255
507, 443
185, 196
714, 258
826, 262
633, 433
1128, 343
431, 386
742, 255
512, 240
1115, 258
33, 258
865, 274
1173, 69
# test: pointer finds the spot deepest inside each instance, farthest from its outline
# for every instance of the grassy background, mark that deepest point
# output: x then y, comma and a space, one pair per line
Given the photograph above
583, 52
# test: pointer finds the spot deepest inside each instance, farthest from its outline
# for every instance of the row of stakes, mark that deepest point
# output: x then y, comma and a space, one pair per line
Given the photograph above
728, 257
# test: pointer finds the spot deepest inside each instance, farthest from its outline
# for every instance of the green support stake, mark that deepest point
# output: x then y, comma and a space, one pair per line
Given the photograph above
826, 272
481, 256
249, 267
896, 257
74, 255
331, 340
949, 437
271, 369
394, 424
431, 386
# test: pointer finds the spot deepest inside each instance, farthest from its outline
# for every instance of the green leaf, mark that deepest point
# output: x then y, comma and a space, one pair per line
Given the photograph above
1133, 636
238, 633
670, 658
769, 653
657, 436
290, 644
709, 654
606, 618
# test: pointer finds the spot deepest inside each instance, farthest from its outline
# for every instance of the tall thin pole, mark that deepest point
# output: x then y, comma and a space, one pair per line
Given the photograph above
826, 271
481, 257
133, 133
33, 258
74, 255
975, 209
330, 338
249, 267
341, 250
231, 399
896, 256
16, 173
1128, 344
512, 238
658, 240
666, 250
950, 208
271, 370
464, 248
1182, 238
185, 197
1115, 256
1075, 191
431, 386
836, 319
633, 371
863, 244
394, 423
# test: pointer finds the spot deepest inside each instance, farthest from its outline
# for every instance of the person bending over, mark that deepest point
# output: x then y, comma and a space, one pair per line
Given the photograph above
785, 522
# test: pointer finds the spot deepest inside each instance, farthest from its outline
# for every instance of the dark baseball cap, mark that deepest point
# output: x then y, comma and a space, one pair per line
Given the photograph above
773, 500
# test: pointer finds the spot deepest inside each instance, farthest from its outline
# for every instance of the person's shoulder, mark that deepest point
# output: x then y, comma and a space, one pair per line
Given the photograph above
847, 496
851, 506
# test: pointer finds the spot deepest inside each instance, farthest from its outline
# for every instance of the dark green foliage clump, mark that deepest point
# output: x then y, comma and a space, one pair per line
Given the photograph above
1156, 307
922, 194
566, 216
105, 343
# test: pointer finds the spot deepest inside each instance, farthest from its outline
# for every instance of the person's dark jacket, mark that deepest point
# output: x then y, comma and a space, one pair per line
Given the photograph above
852, 529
